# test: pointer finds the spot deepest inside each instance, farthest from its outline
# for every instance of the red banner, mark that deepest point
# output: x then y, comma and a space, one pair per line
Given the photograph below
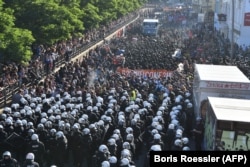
247, 19
145, 73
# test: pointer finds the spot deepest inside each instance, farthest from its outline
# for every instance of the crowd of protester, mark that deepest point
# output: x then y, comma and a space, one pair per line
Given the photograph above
88, 114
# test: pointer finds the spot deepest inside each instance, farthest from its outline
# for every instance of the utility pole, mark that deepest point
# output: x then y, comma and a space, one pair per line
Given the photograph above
232, 34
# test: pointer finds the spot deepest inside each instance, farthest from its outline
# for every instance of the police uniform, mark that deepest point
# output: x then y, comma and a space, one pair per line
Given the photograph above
38, 148
8, 161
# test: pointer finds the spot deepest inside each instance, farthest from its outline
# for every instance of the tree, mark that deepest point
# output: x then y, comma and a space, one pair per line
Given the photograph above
107, 10
14, 42
92, 17
49, 21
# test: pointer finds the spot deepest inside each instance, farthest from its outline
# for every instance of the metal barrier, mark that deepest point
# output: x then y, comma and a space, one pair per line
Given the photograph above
7, 93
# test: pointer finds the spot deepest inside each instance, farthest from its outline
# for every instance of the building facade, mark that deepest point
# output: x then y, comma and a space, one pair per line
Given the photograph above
235, 20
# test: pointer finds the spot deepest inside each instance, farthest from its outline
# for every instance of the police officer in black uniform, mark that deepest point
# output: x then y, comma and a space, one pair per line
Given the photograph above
86, 146
8, 161
30, 161
37, 147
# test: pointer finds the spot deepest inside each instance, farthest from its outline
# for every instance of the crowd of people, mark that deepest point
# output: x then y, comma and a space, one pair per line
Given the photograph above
86, 113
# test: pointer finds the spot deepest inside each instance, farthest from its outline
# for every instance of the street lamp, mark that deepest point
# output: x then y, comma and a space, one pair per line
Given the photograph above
232, 34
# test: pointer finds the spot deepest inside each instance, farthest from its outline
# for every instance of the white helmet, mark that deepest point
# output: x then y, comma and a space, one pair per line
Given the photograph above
100, 123
175, 122
187, 94
130, 137
115, 136
157, 136
133, 122
53, 131
59, 134
34, 137
178, 142
111, 141
126, 145
186, 148
155, 147
154, 124
125, 153
7, 153
98, 104
179, 133
159, 113
171, 126
89, 108
129, 130
154, 131
117, 131
103, 148
19, 122
85, 116
86, 131
105, 164
112, 160
185, 140
159, 127
30, 156
124, 162
8, 121
189, 105
95, 108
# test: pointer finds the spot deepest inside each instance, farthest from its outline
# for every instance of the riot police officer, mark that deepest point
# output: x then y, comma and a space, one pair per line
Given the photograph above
37, 147
7, 160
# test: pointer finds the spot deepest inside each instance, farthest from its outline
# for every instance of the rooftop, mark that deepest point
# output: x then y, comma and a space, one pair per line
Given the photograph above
229, 109
220, 73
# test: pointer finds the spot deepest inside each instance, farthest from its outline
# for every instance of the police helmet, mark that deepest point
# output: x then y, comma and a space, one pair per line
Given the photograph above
7, 153
126, 145
155, 147
105, 164
111, 141
129, 130
30, 156
185, 140
124, 162
171, 126
125, 153
59, 134
86, 131
34, 137
112, 160
178, 142
31, 132
103, 148
186, 148
130, 137
157, 136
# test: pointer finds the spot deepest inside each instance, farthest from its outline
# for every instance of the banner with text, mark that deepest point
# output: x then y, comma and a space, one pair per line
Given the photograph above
145, 73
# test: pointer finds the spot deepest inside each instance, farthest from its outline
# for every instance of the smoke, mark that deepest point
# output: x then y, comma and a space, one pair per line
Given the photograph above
91, 78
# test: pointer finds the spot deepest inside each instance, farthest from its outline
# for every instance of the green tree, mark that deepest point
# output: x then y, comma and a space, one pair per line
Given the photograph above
107, 9
54, 20
49, 21
14, 42
92, 18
